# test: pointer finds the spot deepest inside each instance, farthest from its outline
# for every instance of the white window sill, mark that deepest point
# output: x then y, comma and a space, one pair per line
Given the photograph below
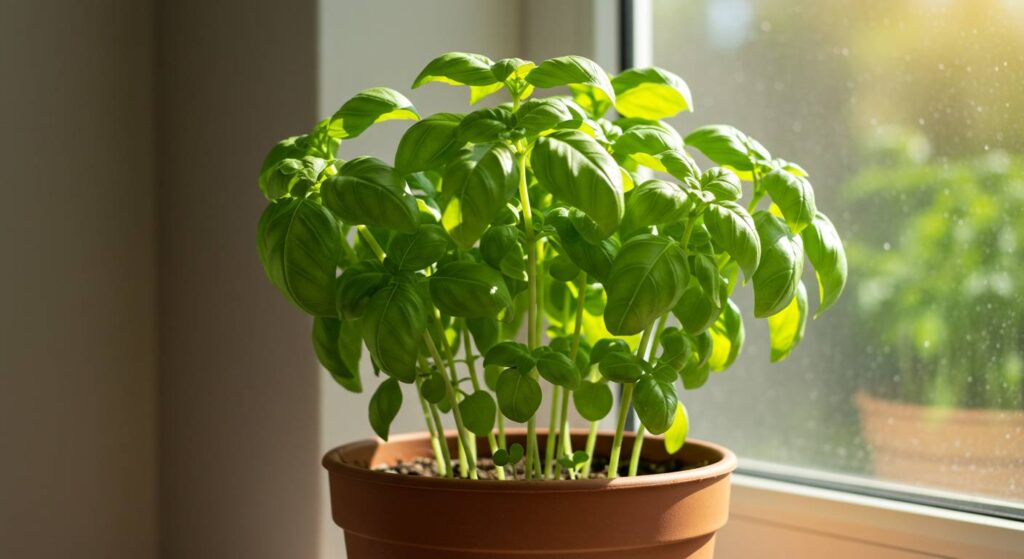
772, 519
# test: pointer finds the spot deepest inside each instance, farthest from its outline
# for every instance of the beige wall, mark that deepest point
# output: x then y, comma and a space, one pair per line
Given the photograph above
238, 391
77, 281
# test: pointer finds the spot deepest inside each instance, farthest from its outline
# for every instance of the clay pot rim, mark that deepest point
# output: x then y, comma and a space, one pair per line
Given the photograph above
722, 467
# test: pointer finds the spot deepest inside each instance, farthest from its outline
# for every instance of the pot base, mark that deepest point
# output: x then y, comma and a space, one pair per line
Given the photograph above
359, 547
392, 516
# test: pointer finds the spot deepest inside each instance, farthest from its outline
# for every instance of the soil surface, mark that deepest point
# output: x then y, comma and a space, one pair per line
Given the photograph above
427, 467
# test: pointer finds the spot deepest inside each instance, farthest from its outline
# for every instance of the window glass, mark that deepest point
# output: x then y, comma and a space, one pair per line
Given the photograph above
909, 117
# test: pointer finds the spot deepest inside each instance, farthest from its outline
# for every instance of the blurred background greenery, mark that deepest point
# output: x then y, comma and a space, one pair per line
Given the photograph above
909, 116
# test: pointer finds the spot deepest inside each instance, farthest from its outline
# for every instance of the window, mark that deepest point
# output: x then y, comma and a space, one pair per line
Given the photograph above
909, 117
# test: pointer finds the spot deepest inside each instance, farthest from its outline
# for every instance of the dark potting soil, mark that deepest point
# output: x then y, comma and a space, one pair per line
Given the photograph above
427, 467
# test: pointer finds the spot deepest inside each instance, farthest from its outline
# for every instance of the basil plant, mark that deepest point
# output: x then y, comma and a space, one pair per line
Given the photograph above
541, 240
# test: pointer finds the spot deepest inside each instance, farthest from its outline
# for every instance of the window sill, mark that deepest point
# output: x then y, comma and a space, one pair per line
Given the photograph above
771, 518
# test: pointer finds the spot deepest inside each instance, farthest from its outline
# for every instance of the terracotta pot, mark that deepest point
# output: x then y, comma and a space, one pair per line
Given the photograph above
975, 451
390, 516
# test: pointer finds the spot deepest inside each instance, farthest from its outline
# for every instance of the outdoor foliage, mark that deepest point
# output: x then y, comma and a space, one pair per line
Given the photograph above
597, 235
939, 289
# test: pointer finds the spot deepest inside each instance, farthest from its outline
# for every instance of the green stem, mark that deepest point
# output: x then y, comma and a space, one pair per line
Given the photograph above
464, 438
566, 442
439, 426
471, 365
581, 288
758, 194
369, 239
549, 447
591, 443
638, 443
627, 400
449, 355
620, 427
531, 311
434, 441
501, 431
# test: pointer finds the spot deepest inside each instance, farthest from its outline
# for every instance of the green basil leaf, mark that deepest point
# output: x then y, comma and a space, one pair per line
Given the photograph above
643, 141
384, 406
434, 388
651, 93
478, 412
664, 373
722, 144
594, 102
357, 285
541, 115
469, 290
578, 171
621, 367
695, 374
721, 182
506, 354
368, 107
429, 144
697, 310
501, 250
558, 369
393, 327
646, 280
500, 458
607, 346
679, 164
519, 395
289, 148
825, 251
515, 453
566, 70
794, 197
485, 125
410, 252
299, 245
786, 328
655, 402
676, 348
563, 269
782, 264
338, 348
675, 437
477, 186
593, 400
735, 231
728, 336
655, 202
367, 191
511, 68
457, 68
288, 175
594, 259
485, 332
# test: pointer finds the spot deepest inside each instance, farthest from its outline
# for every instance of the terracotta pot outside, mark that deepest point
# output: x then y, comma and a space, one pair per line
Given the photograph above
974, 451
390, 516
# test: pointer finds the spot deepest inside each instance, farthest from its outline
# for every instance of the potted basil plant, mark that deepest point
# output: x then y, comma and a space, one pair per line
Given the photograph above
947, 393
537, 242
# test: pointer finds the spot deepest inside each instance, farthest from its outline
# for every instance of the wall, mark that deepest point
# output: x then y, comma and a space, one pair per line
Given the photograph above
238, 392
78, 281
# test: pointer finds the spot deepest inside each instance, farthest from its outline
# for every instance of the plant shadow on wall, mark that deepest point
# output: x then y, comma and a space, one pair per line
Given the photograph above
540, 214
940, 307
